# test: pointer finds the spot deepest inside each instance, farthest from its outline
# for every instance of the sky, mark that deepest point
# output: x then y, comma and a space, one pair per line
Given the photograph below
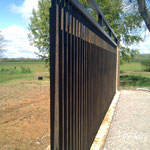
14, 20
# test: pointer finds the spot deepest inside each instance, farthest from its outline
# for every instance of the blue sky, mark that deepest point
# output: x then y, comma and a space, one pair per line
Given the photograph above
14, 20
7, 18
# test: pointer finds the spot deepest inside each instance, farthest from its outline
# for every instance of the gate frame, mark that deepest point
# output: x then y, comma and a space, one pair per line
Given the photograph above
54, 60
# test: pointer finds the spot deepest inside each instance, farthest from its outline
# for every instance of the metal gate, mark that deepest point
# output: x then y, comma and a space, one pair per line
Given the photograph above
82, 71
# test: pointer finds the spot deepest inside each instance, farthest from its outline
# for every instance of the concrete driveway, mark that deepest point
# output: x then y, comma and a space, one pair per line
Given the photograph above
130, 127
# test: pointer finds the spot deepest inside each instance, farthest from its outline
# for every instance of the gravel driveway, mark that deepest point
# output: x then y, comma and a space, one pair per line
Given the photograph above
130, 127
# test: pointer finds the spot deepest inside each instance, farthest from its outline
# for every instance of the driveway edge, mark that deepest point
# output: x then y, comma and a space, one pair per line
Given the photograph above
102, 133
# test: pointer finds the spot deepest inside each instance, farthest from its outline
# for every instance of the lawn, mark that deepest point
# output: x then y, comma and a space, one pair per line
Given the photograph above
12, 71
133, 75
132, 67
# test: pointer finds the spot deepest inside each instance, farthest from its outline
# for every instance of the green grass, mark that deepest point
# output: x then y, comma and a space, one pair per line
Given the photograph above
6, 78
34, 66
12, 71
133, 67
133, 75
134, 80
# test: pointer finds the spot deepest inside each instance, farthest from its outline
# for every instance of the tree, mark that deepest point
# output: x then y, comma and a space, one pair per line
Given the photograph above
1, 45
144, 9
39, 29
127, 54
134, 53
124, 23
146, 64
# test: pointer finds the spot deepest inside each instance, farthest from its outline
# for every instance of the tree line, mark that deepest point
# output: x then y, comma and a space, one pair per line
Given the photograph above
126, 18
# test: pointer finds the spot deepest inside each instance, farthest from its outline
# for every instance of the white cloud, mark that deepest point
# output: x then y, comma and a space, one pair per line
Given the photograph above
25, 9
18, 44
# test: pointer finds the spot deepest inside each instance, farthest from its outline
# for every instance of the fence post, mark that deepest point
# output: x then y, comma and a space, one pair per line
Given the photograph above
118, 68
54, 76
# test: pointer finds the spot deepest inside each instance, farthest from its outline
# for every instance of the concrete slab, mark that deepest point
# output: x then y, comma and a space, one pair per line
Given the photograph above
130, 127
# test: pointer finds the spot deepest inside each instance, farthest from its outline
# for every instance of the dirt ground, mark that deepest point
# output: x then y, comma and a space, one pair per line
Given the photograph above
24, 116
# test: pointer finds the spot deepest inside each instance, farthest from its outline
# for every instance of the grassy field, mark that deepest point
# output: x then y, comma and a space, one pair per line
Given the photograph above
12, 71
24, 106
25, 102
132, 75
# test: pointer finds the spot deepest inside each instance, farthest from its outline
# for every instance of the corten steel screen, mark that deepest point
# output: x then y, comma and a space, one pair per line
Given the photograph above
83, 76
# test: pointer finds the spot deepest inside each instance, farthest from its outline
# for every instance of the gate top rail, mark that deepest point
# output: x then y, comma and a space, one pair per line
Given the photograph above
111, 36
101, 19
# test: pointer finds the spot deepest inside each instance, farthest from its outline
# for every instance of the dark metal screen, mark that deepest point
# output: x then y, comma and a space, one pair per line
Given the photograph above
83, 75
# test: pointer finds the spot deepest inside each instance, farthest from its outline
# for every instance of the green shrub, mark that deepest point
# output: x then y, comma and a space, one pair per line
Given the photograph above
25, 70
146, 64
8, 70
14, 69
134, 80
